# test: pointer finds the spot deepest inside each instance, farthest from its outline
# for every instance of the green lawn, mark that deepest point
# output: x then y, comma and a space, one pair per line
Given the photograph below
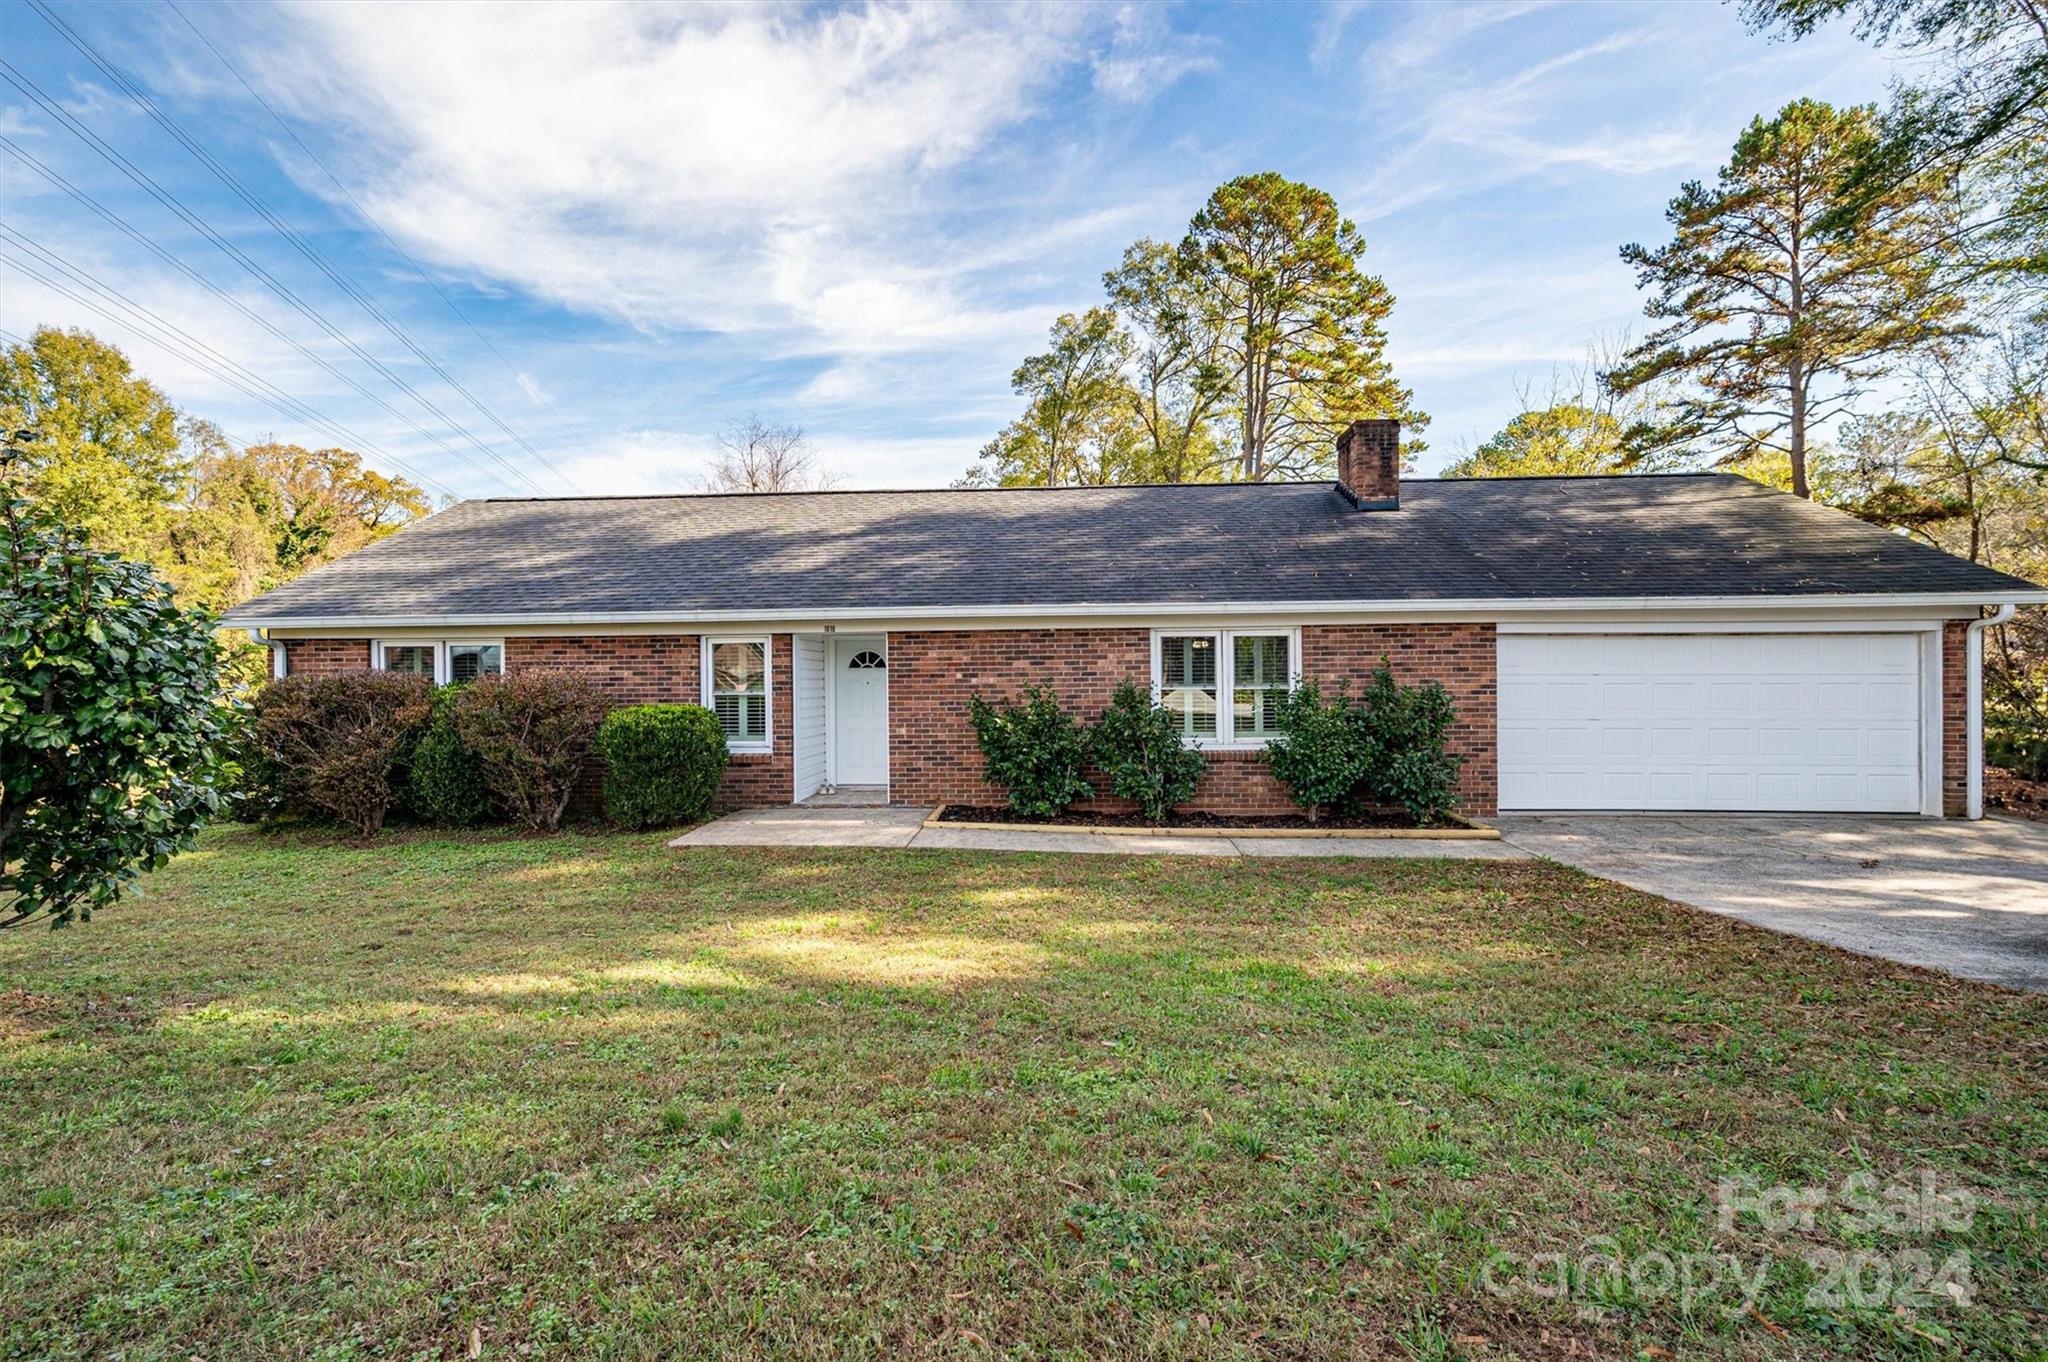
587, 1096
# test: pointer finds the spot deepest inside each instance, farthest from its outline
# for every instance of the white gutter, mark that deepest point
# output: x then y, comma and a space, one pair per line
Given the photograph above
1973, 720
276, 647
1421, 605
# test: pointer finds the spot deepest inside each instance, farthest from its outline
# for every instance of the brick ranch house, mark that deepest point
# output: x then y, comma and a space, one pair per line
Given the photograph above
1683, 642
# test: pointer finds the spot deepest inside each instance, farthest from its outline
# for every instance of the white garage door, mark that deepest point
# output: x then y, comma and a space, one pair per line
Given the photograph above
1775, 722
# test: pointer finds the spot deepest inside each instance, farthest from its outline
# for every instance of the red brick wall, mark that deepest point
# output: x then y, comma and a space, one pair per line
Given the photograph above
318, 656
933, 759
1955, 696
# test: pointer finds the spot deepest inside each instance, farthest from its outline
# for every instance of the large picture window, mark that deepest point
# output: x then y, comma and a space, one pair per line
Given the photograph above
736, 689
440, 660
1224, 685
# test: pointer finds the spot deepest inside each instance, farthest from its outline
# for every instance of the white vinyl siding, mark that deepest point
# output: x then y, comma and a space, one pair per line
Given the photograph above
1763, 722
1194, 670
736, 689
808, 674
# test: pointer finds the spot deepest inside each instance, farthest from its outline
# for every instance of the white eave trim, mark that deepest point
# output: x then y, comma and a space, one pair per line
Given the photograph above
1424, 606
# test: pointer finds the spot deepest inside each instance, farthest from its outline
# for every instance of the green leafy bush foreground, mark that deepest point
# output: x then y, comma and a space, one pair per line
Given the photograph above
1137, 743
112, 732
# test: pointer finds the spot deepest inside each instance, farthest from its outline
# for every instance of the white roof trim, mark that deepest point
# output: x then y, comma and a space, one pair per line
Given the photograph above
1153, 608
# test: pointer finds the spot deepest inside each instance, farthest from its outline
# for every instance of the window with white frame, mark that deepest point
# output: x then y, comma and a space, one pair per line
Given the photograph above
736, 689
1224, 685
441, 660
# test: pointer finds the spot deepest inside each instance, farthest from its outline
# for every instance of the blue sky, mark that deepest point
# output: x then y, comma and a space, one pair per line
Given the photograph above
634, 224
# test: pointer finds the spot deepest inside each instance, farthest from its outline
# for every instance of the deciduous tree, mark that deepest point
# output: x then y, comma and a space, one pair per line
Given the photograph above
756, 456
105, 461
1080, 425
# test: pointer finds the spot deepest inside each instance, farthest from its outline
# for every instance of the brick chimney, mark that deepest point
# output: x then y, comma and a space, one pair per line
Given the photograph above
1369, 465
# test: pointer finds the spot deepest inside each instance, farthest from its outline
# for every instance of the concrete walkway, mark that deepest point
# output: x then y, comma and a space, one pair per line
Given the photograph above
901, 827
1970, 899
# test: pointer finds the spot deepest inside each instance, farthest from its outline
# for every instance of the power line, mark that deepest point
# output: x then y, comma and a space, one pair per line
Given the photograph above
227, 370
116, 220
180, 344
361, 211
113, 157
313, 254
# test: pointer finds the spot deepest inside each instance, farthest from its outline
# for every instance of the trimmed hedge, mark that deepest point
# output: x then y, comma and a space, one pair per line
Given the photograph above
1342, 755
662, 764
532, 732
446, 778
339, 740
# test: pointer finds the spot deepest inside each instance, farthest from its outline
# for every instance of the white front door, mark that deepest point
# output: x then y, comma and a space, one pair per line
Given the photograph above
860, 711
1767, 722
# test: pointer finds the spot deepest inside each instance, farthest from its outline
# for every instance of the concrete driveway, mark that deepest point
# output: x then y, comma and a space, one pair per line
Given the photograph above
1967, 898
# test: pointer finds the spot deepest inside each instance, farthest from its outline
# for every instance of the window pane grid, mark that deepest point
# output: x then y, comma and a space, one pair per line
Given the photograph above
1260, 678
1197, 671
1187, 682
739, 690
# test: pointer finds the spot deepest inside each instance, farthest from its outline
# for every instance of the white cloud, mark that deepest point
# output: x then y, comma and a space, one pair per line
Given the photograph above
771, 170
1146, 56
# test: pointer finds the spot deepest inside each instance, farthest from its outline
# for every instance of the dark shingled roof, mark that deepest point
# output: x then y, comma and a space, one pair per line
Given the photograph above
1509, 538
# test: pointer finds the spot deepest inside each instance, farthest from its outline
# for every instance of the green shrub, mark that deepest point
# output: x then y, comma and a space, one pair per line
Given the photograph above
532, 732
1321, 754
445, 776
2011, 747
1408, 727
662, 764
1138, 745
112, 718
1338, 755
1034, 749
252, 784
339, 739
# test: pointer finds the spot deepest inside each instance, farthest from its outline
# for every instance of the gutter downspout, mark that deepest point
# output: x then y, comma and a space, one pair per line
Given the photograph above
276, 653
1973, 718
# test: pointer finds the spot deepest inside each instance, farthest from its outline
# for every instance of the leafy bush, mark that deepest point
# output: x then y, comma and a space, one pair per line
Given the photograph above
1321, 754
1138, 745
1034, 749
341, 738
445, 776
252, 782
662, 764
1408, 727
532, 731
1387, 747
111, 721
2013, 748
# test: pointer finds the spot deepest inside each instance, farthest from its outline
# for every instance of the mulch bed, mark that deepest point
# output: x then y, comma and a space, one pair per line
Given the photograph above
2009, 794
1002, 813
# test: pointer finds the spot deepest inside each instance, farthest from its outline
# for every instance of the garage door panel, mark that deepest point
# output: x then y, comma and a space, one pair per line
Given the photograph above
1787, 722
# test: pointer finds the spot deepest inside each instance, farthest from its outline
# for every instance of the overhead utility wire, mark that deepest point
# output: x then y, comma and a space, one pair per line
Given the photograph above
116, 220
222, 366
364, 213
314, 256
13, 76
166, 336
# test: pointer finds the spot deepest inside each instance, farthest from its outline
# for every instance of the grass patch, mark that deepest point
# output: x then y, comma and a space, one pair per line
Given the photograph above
586, 1096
